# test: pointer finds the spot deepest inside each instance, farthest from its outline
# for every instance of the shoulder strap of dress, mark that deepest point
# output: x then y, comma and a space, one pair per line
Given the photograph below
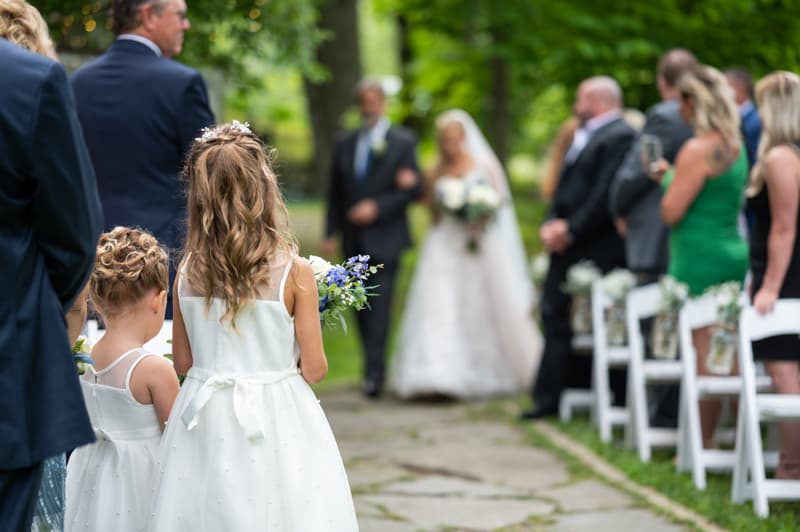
142, 355
282, 287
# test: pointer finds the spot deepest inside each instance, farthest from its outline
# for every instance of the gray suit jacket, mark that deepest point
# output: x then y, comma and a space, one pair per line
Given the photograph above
637, 199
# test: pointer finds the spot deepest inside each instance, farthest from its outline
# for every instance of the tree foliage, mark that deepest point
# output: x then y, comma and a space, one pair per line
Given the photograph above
224, 33
561, 42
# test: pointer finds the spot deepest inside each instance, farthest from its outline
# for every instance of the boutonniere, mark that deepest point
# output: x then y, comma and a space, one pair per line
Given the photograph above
379, 146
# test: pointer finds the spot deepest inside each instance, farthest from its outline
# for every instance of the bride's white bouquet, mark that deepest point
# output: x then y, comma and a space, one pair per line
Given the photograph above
473, 203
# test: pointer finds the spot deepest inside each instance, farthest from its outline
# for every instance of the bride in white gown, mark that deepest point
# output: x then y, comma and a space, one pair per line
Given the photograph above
468, 331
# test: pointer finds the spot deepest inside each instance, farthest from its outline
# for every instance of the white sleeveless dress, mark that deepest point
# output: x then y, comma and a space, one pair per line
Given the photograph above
247, 446
108, 482
467, 329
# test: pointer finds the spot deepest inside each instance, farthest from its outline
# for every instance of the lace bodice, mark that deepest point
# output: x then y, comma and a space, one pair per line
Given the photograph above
114, 412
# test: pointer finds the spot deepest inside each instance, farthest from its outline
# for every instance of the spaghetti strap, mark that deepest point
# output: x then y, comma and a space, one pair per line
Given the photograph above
142, 356
282, 287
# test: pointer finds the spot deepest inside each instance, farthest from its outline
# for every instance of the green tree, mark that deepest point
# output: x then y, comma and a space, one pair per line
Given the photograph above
224, 34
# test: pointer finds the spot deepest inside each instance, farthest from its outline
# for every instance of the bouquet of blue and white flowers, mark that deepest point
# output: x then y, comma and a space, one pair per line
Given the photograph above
342, 286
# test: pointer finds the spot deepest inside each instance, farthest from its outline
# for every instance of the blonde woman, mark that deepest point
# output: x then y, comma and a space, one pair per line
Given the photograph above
23, 25
773, 197
702, 200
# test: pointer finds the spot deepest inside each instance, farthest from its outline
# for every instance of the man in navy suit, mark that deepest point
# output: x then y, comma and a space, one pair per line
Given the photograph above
741, 82
374, 177
140, 113
50, 220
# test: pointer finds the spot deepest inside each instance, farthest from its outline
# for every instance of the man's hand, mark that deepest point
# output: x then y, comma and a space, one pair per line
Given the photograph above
406, 179
622, 226
657, 169
363, 213
555, 236
329, 246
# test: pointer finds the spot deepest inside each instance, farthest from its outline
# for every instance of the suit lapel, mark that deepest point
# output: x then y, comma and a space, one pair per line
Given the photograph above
377, 160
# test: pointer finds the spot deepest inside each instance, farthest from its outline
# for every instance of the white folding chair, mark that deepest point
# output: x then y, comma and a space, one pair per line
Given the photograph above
606, 357
695, 314
755, 408
640, 304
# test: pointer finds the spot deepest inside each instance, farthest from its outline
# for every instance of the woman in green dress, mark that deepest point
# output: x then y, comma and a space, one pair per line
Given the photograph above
703, 198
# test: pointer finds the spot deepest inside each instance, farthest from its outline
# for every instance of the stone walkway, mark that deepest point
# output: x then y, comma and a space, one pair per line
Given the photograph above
423, 467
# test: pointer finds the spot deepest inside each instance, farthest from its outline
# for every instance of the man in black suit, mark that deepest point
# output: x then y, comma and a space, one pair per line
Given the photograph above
140, 112
50, 220
579, 227
635, 202
374, 176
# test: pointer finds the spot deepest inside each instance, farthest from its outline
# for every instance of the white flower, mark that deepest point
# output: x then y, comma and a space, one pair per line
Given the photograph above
581, 276
452, 194
673, 294
81, 345
539, 266
618, 283
379, 145
483, 195
319, 266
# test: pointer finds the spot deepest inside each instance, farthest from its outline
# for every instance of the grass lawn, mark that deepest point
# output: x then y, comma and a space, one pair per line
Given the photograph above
660, 474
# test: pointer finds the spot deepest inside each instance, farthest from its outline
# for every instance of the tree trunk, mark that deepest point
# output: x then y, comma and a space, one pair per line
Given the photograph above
410, 120
499, 112
329, 99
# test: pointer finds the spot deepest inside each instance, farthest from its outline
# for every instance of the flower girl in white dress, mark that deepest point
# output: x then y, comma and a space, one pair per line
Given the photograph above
128, 392
248, 446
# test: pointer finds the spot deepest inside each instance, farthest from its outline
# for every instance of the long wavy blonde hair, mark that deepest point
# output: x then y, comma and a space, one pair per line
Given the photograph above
715, 108
778, 99
237, 217
23, 25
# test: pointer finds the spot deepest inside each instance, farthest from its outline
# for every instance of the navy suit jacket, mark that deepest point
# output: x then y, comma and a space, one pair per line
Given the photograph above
386, 238
50, 220
751, 130
140, 113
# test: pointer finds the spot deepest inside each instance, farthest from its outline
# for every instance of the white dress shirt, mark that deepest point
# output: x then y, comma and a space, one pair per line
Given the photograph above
584, 134
142, 40
367, 139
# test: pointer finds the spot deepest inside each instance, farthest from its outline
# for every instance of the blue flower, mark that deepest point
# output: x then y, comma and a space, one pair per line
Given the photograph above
337, 276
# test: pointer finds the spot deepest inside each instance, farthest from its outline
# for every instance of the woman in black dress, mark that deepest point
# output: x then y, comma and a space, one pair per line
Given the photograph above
774, 196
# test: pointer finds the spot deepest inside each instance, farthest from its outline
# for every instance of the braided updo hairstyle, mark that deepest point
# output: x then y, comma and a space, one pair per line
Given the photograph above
130, 263
237, 218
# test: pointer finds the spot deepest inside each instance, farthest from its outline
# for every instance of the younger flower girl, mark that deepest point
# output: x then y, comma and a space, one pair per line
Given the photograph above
128, 392
248, 446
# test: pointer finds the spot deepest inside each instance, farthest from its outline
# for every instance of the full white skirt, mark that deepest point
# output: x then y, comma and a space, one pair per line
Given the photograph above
212, 478
467, 330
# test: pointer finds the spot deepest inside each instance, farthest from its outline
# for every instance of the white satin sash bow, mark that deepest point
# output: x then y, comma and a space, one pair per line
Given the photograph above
246, 391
